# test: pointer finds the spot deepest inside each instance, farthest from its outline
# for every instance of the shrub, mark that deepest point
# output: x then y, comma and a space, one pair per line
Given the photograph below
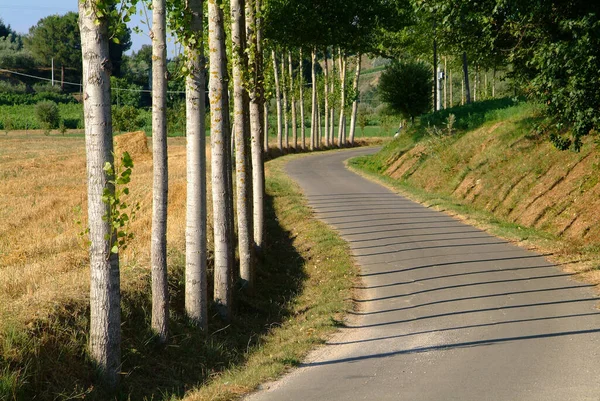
126, 119
406, 87
7, 87
47, 114
45, 87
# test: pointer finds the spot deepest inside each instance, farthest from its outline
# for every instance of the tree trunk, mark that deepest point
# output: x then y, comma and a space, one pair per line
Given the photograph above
241, 130
319, 128
62, 77
355, 101
105, 295
302, 120
278, 98
253, 8
475, 86
451, 89
219, 102
435, 78
332, 91
466, 78
196, 290
342, 125
241, 126
494, 83
462, 92
293, 104
313, 125
326, 98
266, 126
160, 289
284, 91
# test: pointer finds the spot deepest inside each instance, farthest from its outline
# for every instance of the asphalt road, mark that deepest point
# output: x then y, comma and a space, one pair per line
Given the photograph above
446, 311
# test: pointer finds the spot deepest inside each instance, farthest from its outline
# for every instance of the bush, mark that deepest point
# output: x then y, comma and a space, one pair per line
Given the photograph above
126, 119
406, 87
45, 87
47, 114
7, 87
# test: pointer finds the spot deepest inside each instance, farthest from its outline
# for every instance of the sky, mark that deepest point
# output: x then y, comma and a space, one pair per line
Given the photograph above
22, 14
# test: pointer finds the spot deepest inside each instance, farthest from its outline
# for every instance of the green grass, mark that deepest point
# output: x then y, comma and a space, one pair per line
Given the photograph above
302, 292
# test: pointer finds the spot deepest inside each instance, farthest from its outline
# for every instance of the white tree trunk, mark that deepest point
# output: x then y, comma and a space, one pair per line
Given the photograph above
355, 102
451, 88
302, 120
319, 127
293, 103
241, 126
266, 126
219, 124
278, 98
494, 83
326, 98
196, 292
485, 85
284, 91
313, 128
160, 289
105, 295
332, 91
253, 8
475, 86
342, 124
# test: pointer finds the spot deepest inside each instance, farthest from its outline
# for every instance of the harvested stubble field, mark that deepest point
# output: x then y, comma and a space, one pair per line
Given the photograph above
43, 254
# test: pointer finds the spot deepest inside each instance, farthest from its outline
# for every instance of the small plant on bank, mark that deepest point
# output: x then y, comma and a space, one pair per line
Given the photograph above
450, 124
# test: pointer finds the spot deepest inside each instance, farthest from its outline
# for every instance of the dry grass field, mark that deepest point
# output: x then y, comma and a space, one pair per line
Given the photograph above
303, 281
43, 255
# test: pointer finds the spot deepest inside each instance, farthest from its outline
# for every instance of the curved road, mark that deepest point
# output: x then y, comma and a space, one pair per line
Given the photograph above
446, 311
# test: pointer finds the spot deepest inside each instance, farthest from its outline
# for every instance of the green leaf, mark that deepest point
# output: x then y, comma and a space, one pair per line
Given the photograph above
127, 160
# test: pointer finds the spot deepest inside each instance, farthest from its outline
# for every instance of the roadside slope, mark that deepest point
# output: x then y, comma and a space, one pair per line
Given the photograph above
509, 172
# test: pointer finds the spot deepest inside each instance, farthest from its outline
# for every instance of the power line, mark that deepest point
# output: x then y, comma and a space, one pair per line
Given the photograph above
76, 84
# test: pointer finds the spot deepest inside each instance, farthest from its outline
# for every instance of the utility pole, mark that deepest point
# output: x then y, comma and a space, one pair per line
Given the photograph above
52, 71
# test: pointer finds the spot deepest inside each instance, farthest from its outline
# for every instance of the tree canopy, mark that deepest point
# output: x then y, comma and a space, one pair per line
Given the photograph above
57, 37
406, 87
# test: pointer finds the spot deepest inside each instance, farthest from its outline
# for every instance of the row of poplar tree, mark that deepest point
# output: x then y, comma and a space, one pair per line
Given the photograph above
328, 27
